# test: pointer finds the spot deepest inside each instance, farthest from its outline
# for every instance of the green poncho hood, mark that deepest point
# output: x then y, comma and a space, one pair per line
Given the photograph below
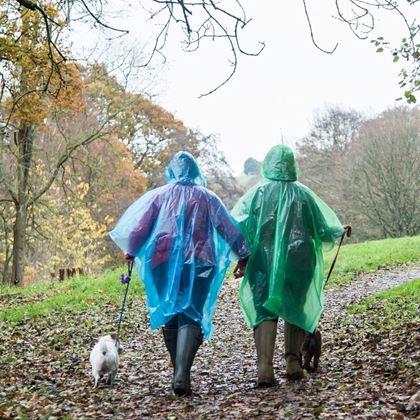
280, 164
287, 227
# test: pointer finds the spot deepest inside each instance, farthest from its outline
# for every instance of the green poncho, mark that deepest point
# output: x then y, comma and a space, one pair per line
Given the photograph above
287, 227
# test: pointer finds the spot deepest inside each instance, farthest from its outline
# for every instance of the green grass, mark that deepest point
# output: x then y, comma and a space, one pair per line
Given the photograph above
77, 294
371, 256
87, 292
402, 303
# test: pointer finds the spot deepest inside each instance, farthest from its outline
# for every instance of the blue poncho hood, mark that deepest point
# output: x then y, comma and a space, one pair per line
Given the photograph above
184, 168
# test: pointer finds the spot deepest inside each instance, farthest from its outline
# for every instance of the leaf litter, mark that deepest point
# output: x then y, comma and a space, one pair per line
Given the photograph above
368, 369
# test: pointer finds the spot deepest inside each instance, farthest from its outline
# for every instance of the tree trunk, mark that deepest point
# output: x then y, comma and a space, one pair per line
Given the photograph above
7, 249
24, 141
19, 246
6, 266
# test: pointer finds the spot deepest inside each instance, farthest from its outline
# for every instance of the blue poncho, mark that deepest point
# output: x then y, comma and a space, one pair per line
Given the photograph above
182, 236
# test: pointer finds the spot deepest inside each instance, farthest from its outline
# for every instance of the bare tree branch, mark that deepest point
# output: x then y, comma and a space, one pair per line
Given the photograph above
312, 33
53, 50
100, 22
204, 19
64, 157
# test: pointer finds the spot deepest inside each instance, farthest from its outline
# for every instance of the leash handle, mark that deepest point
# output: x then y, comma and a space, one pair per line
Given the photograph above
130, 265
347, 232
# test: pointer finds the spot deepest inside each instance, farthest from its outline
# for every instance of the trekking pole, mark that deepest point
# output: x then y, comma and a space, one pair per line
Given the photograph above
347, 232
124, 279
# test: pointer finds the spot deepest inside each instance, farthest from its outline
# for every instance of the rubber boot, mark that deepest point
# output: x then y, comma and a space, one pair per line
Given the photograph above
293, 340
170, 336
265, 340
189, 340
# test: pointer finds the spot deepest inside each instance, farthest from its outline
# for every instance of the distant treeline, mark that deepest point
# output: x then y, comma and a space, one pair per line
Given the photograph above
366, 169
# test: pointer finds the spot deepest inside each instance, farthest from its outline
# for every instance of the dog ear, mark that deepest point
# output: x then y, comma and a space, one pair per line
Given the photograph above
113, 336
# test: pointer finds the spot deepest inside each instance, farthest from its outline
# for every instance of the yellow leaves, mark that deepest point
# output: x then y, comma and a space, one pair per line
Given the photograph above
38, 82
82, 189
51, 10
75, 238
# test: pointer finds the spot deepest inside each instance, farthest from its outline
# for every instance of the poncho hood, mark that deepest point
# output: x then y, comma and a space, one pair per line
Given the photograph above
184, 168
280, 164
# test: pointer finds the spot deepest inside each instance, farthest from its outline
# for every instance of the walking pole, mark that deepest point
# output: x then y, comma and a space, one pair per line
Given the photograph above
125, 279
347, 232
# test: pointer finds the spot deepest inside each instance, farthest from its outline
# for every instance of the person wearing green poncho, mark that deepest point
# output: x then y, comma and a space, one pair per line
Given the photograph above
287, 227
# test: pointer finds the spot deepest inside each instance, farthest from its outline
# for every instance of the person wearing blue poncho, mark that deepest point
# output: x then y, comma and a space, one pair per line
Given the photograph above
181, 236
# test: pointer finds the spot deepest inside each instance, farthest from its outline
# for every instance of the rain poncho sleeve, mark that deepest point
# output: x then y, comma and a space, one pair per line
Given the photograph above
181, 236
287, 227
328, 227
136, 224
227, 227
142, 230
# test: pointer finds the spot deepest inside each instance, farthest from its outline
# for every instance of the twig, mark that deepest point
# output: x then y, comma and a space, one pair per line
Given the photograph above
312, 33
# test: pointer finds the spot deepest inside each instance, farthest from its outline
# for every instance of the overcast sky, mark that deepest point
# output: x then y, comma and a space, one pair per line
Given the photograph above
273, 96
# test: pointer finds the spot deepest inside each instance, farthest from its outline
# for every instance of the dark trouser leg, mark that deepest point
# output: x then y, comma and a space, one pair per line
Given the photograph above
265, 340
170, 336
293, 335
293, 340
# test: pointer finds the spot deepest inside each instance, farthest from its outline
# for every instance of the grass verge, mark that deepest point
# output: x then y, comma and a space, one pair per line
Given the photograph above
397, 305
370, 256
76, 294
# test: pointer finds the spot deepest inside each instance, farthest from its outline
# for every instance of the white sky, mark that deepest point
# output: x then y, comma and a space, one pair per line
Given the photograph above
276, 93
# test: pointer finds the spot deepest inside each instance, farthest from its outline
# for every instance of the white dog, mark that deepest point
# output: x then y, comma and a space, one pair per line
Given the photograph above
104, 359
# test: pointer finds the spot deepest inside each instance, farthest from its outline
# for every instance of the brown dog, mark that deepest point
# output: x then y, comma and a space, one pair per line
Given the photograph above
311, 349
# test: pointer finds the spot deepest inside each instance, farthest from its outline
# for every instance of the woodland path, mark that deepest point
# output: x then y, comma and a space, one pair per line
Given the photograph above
359, 374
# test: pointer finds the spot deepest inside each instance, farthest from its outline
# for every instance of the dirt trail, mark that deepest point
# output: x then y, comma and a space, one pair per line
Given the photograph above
224, 373
348, 384
367, 285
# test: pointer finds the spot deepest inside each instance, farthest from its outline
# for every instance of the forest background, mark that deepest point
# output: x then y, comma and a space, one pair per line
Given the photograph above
78, 145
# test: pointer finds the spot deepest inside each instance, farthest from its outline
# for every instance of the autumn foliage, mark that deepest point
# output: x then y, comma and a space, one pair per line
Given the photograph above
76, 148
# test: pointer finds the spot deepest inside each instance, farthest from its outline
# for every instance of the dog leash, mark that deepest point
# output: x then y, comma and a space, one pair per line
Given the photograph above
124, 279
347, 232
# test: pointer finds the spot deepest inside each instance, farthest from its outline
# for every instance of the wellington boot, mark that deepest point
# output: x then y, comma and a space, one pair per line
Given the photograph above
265, 340
188, 342
293, 340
